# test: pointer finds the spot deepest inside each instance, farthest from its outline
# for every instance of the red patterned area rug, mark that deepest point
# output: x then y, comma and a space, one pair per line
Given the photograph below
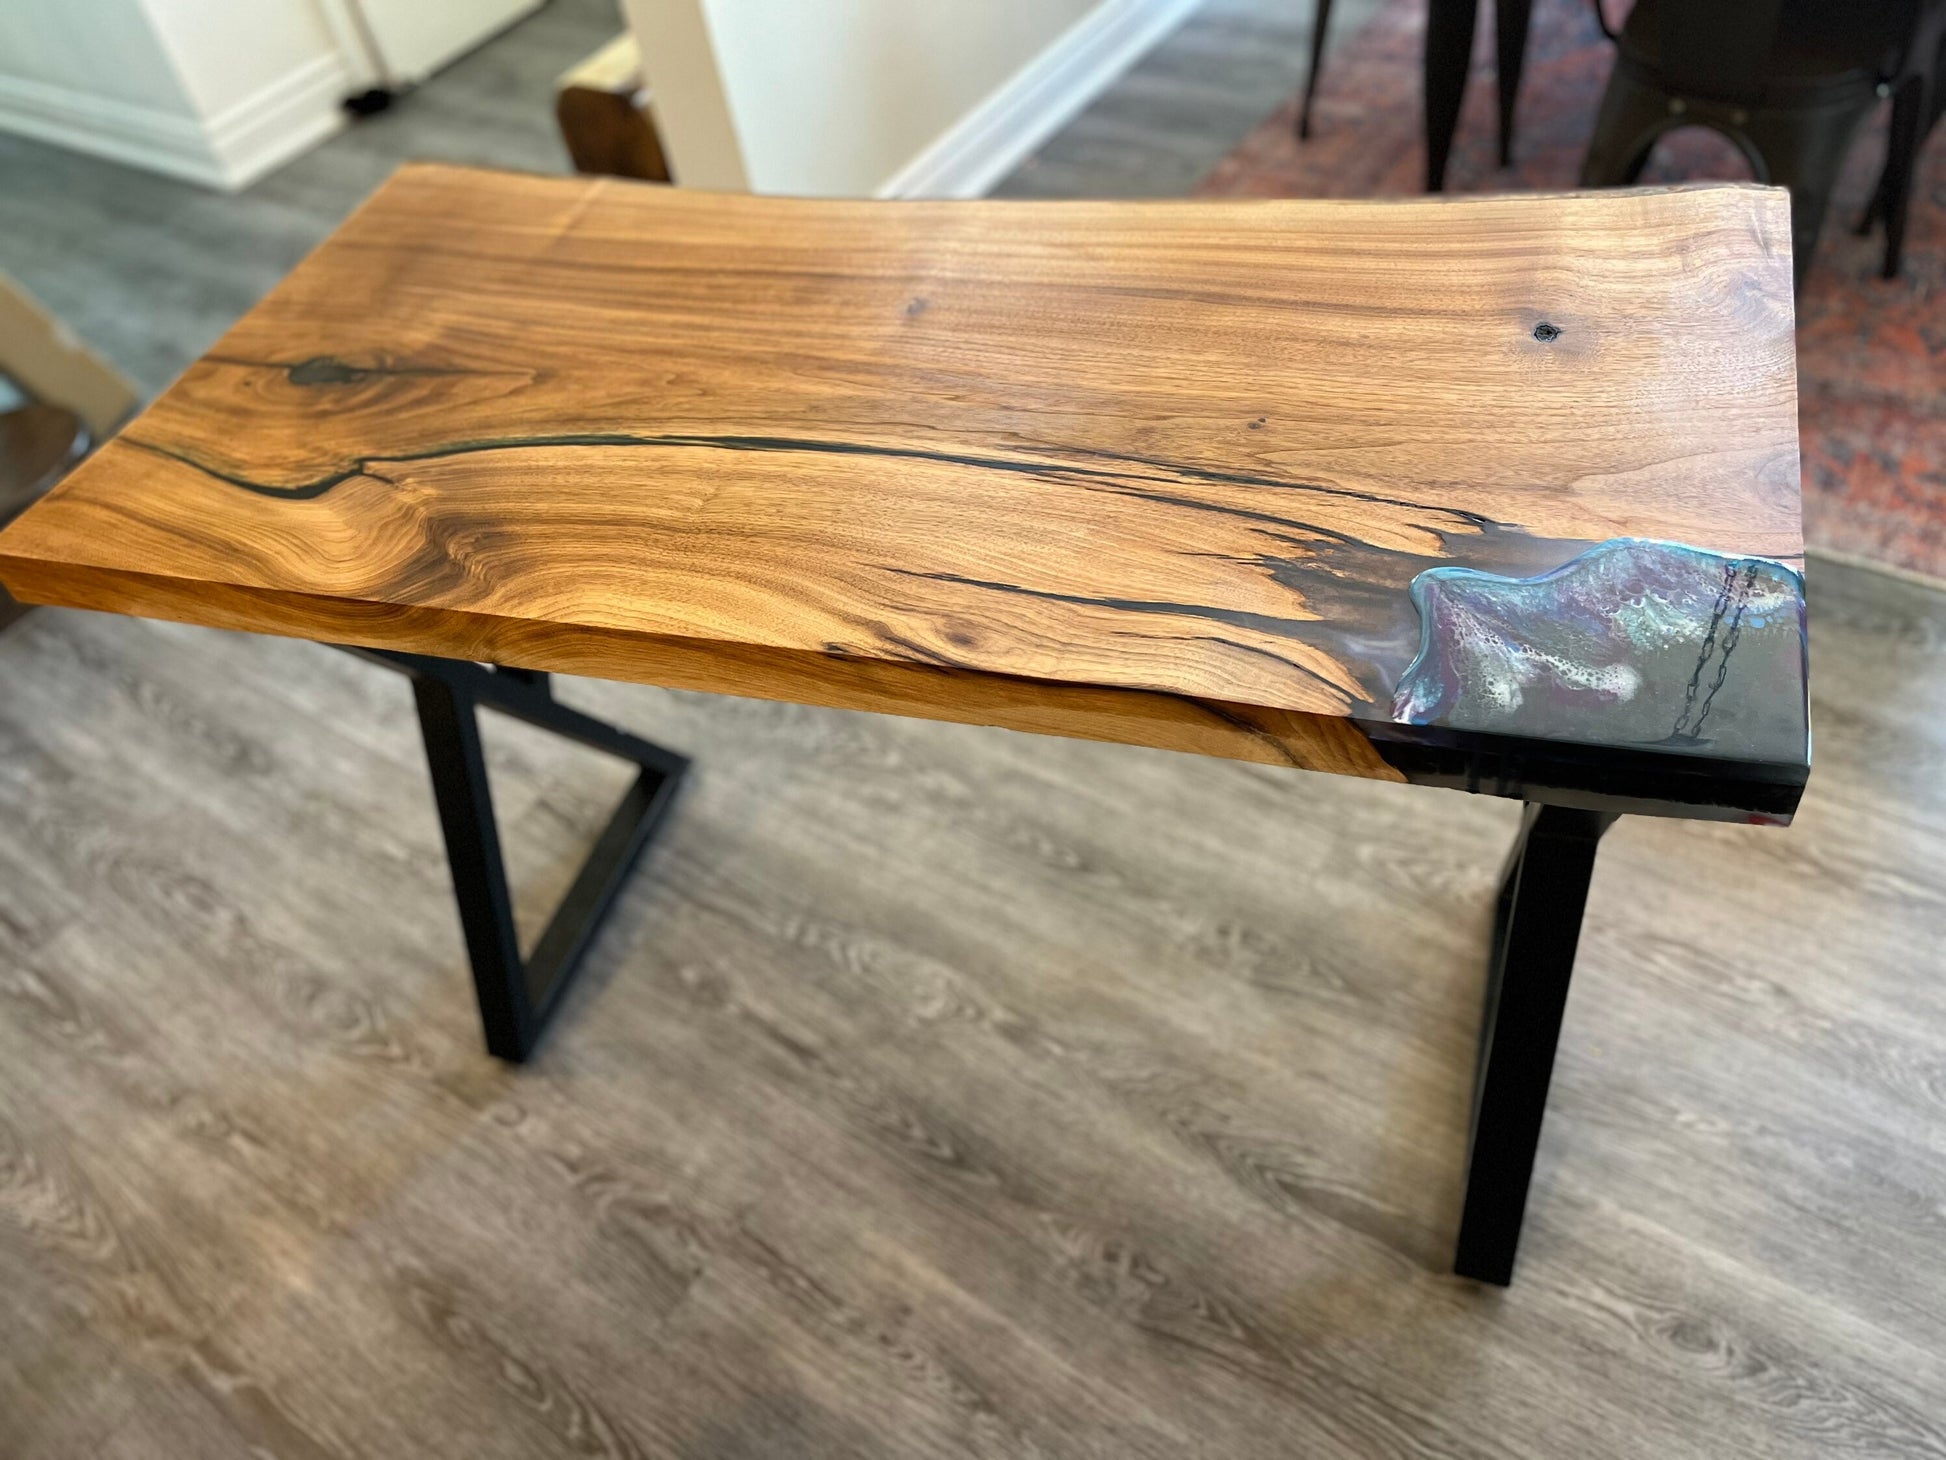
1871, 352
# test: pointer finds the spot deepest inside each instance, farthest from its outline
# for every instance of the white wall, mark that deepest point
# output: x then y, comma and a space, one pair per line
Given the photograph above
73, 45
887, 97
266, 77
93, 73
215, 91
411, 39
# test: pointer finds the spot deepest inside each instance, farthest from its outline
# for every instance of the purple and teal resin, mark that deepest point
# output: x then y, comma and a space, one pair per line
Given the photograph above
1633, 643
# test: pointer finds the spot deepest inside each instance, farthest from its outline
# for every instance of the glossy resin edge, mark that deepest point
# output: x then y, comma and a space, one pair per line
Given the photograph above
1636, 669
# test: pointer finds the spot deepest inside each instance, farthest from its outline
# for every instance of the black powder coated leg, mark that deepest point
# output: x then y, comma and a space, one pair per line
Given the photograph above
1893, 199
1511, 21
1537, 923
1449, 51
517, 996
1320, 24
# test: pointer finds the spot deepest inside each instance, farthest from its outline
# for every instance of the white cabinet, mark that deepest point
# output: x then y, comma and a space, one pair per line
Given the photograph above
218, 91
398, 42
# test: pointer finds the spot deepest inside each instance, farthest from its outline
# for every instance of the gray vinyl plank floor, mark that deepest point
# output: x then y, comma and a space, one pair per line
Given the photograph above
150, 270
935, 1091
1177, 113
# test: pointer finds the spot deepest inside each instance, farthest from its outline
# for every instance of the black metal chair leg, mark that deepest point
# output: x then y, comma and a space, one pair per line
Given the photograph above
1320, 25
1449, 52
1538, 923
1511, 19
1633, 114
518, 996
1803, 151
1875, 209
1893, 198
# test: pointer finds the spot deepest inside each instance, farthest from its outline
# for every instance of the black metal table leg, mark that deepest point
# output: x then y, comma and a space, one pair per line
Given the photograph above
1537, 924
517, 996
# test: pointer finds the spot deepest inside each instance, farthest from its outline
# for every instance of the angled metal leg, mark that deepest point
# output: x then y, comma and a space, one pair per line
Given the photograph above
1537, 923
517, 996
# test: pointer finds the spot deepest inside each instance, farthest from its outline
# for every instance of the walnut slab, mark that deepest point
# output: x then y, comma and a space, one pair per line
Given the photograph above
1168, 473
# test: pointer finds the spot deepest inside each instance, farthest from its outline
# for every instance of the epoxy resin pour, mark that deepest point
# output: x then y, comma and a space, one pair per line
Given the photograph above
1634, 642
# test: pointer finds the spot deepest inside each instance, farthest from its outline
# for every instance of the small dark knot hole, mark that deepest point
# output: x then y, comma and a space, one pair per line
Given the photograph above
1545, 332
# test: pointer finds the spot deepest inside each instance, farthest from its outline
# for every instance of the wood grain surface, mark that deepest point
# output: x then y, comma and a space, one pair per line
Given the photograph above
1161, 472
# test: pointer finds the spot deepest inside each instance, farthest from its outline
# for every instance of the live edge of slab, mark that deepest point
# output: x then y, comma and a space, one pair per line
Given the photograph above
1499, 493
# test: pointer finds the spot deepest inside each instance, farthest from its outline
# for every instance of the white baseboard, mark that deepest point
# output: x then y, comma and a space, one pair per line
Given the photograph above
986, 144
279, 121
138, 136
228, 151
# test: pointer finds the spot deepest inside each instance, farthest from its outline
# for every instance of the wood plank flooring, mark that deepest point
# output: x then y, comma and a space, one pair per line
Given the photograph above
936, 1091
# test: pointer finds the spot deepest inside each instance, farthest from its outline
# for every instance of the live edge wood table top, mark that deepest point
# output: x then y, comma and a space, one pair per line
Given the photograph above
1498, 493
